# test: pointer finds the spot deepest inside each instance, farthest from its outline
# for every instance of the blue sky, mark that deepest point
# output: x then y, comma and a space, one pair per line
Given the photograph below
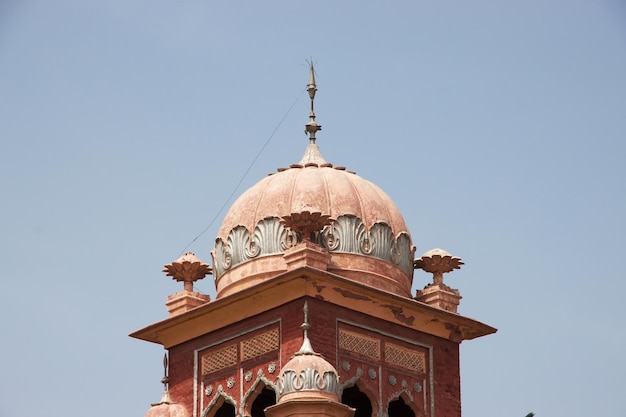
497, 128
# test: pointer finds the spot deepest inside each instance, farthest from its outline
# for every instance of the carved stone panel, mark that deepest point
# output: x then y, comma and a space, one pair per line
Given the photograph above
385, 367
236, 369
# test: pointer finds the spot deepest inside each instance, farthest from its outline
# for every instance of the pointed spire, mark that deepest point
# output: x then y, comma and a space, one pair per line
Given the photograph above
166, 379
312, 127
306, 348
165, 398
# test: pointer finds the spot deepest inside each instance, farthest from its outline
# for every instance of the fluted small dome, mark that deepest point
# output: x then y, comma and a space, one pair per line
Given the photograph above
368, 241
308, 375
166, 408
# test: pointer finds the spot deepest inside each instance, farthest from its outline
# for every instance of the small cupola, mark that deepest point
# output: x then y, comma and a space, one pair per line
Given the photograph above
308, 384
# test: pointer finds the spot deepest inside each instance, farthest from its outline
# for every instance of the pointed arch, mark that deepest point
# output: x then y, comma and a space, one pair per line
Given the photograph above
219, 404
363, 401
266, 398
402, 405
261, 390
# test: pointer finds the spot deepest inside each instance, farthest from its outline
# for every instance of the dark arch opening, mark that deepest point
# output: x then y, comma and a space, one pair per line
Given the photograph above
355, 398
226, 410
266, 398
398, 408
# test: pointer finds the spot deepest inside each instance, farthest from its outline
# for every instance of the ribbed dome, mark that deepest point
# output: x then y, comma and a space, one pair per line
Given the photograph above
323, 189
166, 408
308, 375
368, 240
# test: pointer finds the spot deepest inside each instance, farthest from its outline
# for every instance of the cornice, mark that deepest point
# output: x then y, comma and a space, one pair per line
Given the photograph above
310, 282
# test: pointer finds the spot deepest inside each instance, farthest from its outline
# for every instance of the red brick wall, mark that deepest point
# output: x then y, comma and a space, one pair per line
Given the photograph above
323, 318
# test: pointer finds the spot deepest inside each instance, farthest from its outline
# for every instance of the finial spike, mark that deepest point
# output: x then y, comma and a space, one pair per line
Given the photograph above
312, 127
166, 379
165, 398
306, 348
311, 87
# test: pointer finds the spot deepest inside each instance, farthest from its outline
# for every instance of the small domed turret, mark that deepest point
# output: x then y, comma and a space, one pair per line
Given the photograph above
308, 385
166, 407
308, 374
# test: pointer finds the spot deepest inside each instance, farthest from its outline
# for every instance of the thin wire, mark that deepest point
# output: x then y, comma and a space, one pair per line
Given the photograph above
243, 177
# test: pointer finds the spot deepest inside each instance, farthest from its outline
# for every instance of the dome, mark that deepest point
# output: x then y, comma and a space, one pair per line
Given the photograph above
166, 408
308, 375
322, 188
351, 218
368, 241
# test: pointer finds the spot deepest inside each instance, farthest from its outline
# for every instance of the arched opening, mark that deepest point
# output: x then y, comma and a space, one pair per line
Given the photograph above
226, 410
356, 399
398, 408
265, 398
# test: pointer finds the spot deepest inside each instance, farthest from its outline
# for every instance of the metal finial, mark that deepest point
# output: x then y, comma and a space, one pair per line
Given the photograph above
306, 326
306, 348
165, 398
312, 127
166, 379
311, 87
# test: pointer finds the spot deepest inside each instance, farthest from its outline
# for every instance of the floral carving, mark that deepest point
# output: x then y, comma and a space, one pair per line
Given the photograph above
271, 368
270, 237
228, 259
354, 379
187, 268
347, 234
252, 248
382, 241
395, 255
406, 253
438, 262
344, 235
288, 239
267, 235
306, 224
366, 244
308, 379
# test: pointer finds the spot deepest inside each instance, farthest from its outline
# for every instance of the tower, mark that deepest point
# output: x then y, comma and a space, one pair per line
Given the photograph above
319, 236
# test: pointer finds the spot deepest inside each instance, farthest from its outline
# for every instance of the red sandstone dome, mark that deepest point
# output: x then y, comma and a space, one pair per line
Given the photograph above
368, 240
166, 408
314, 188
308, 375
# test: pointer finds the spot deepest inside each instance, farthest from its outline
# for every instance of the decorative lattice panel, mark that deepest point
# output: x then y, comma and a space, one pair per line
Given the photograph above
219, 359
405, 358
357, 343
259, 344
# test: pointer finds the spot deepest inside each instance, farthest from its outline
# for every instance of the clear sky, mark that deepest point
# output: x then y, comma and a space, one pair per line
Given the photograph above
498, 127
